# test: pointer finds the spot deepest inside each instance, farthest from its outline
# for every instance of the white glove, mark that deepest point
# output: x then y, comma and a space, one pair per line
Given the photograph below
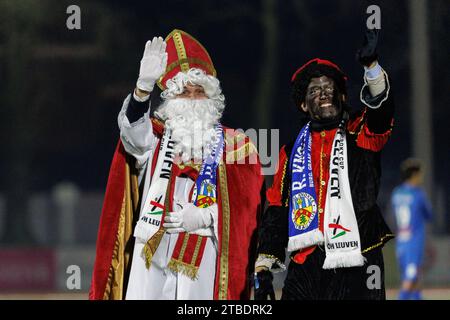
153, 64
190, 218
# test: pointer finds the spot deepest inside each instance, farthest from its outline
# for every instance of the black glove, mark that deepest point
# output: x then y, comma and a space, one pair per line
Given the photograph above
368, 52
264, 286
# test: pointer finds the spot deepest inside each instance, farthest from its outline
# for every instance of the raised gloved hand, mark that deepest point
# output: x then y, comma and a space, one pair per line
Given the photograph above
153, 64
263, 285
367, 54
190, 218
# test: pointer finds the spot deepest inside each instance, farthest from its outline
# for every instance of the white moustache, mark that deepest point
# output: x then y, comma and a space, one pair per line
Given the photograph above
192, 123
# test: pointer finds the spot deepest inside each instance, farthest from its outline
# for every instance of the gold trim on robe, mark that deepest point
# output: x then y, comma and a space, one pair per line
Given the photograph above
223, 267
121, 257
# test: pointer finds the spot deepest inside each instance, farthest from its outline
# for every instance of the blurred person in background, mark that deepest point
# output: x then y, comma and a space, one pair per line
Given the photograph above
322, 204
183, 193
412, 211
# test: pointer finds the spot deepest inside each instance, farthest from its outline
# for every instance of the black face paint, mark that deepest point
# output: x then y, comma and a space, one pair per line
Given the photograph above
322, 99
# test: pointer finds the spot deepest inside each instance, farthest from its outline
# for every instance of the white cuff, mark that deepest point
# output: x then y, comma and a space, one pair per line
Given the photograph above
373, 72
375, 79
268, 261
139, 99
376, 86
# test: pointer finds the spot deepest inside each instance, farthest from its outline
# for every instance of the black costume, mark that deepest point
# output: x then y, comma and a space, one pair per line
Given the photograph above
366, 132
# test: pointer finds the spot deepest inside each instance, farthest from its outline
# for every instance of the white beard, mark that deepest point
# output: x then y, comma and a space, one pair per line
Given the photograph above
192, 124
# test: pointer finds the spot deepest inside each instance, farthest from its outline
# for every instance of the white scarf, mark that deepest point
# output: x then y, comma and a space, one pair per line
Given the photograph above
153, 207
342, 241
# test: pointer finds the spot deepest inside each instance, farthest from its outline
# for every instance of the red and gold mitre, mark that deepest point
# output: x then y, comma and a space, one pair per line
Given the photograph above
183, 53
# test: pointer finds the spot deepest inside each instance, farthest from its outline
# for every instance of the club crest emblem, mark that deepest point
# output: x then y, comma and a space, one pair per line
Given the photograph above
207, 195
304, 209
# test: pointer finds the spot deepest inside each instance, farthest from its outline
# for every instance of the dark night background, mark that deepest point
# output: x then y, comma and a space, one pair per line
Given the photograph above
61, 90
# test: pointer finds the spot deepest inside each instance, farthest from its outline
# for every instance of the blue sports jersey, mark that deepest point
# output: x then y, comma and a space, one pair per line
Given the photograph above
412, 211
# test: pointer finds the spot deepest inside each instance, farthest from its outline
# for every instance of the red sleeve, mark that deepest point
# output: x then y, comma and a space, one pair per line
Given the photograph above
275, 192
372, 141
366, 139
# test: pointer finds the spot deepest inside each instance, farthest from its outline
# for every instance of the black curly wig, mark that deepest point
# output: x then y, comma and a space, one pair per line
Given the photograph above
315, 69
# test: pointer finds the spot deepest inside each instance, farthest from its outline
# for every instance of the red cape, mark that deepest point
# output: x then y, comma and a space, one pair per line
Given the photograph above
240, 198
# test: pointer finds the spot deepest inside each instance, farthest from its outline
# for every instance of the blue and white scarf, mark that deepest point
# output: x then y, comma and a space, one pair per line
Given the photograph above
342, 241
205, 191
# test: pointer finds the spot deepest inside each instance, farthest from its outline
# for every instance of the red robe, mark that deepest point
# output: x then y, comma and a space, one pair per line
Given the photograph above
239, 184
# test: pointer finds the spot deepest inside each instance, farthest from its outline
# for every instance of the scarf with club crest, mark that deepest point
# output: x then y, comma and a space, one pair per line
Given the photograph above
341, 235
